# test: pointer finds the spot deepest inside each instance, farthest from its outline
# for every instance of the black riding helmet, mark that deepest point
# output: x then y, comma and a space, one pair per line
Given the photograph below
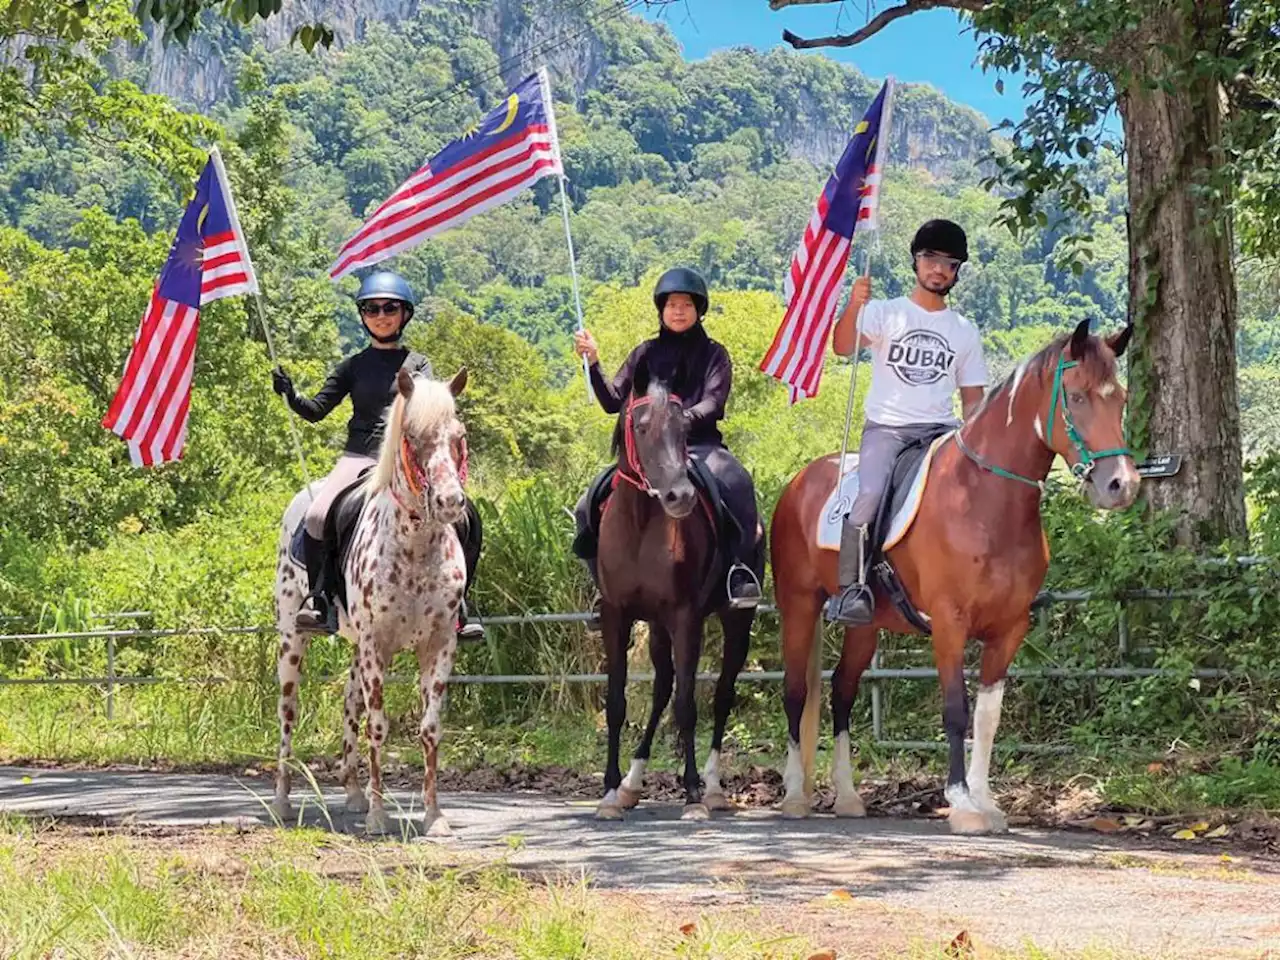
681, 280
941, 236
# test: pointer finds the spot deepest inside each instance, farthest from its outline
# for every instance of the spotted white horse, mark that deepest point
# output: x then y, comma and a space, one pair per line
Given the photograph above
404, 580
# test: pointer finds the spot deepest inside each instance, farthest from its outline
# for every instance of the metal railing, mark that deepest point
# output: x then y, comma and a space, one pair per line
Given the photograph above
876, 675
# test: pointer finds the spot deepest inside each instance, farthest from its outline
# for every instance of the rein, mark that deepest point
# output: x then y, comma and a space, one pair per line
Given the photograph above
1088, 459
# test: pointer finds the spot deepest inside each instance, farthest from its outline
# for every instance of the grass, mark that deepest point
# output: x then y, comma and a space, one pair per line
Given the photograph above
71, 891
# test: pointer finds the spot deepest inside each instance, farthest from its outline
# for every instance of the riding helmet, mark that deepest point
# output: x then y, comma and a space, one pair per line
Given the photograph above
681, 280
386, 285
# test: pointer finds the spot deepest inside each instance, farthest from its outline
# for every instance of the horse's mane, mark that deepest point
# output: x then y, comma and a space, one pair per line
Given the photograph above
1098, 365
430, 405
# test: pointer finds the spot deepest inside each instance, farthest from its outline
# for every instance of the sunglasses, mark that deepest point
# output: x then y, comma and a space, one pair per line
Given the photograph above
938, 260
387, 309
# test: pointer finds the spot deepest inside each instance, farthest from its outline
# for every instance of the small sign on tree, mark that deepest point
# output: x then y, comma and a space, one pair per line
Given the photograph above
1161, 465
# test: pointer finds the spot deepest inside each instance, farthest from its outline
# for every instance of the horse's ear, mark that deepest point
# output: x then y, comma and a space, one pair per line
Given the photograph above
404, 381
459, 382
1118, 341
1080, 340
640, 379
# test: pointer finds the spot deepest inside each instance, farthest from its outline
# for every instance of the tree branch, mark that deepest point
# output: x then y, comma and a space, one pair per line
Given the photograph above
875, 25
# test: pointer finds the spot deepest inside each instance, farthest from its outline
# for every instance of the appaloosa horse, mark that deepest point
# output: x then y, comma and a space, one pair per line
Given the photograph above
973, 560
404, 578
658, 563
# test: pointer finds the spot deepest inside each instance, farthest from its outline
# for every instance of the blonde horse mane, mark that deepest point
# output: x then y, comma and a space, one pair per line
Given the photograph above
428, 408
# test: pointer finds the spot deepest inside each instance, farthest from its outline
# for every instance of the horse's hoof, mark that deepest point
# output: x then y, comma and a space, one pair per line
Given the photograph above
608, 811
996, 821
629, 799
357, 802
377, 823
695, 811
850, 806
795, 808
717, 801
437, 825
968, 821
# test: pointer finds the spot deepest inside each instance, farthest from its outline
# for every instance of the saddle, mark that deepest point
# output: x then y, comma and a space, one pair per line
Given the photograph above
339, 529
902, 485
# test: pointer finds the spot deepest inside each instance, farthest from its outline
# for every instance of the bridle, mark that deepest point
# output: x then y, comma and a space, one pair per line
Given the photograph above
633, 470
415, 477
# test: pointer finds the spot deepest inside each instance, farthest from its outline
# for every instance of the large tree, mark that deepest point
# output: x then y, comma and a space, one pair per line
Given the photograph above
1194, 83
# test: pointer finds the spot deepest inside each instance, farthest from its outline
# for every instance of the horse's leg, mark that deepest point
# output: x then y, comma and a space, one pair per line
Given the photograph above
687, 641
949, 636
996, 657
293, 647
615, 629
372, 668
434, 665
352, 711
859, 648
632, 790
736, 626
801, 685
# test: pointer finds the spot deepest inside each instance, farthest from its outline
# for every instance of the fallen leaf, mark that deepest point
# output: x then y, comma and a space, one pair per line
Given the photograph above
1198, 827
1185, 835
961, 946
840, 894
1216, 832
27, 780
1227, 858
1156, 767
1101, 824
689, 929
823, 955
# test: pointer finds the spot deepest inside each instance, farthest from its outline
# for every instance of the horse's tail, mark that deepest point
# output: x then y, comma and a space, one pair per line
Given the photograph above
812, 708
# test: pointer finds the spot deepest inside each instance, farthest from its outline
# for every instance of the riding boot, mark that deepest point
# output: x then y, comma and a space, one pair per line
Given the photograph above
470, 535
741, 584
469, 629
319, 614
593, 568
855, 606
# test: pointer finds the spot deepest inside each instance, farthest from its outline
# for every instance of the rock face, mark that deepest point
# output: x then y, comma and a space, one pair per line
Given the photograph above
929, 130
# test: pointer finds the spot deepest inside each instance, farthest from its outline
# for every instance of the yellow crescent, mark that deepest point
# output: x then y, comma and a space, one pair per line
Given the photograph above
513, 104
204, 213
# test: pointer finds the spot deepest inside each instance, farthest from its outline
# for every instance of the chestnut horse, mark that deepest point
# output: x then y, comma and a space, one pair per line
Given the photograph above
973, 561
657, 562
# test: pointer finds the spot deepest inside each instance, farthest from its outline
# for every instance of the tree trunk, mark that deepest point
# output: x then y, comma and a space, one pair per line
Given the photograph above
1182, 300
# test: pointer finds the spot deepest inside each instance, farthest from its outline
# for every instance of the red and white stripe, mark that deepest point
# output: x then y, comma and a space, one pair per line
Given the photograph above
425, 205
151, 407
225, 269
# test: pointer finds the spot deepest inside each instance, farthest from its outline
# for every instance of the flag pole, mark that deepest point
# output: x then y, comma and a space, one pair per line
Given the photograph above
882, 156
545, 81
262, 317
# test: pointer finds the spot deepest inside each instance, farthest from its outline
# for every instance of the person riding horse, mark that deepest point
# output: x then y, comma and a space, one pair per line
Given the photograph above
386, 304
921, 352
700, 374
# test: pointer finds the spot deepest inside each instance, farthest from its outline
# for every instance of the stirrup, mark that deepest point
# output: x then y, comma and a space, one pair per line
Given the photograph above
748, 601
466, 629
320, 618
854, 606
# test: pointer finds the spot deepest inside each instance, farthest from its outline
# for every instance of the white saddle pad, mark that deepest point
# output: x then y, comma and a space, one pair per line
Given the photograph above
840, 502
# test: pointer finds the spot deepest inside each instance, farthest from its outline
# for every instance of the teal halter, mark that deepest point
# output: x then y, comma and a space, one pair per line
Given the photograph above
1087, 458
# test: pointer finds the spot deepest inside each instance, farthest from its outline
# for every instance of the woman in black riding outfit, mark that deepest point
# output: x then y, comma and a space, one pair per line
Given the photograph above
386, 306
699, 371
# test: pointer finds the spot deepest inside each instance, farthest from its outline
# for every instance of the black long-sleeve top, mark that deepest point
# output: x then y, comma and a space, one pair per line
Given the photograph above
702, 381
369, 378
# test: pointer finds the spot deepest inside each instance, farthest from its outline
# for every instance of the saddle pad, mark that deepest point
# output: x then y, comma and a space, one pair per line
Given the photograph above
840, 502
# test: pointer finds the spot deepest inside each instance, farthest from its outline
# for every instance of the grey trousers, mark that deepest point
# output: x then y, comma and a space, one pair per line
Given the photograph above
344, 471
877, 454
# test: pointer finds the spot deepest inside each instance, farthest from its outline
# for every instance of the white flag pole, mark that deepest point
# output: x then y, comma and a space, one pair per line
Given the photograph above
257, 300
545, 82
882, 156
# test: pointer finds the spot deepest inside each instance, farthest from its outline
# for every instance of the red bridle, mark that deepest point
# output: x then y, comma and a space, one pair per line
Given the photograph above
415, 476
636, 477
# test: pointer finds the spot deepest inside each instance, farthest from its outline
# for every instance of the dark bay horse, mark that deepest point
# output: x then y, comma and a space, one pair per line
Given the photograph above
973, 561
657, 558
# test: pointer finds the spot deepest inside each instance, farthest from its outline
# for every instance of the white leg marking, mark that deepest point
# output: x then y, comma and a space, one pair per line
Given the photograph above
848, 803
986, 719
634, 780
795, 803
711, 773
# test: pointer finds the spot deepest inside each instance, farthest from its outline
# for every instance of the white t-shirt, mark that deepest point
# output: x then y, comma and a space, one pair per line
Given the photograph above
919, 358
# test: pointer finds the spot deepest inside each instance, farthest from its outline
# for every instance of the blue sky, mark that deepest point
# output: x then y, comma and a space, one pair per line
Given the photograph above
933, 47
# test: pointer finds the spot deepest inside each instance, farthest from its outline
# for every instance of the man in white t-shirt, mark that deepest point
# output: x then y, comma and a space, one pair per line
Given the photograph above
921, 353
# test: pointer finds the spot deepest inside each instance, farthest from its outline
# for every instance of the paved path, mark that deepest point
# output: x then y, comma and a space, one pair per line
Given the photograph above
1064, 889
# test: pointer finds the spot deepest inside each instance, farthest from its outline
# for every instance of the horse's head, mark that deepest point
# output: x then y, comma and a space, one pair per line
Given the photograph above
423, 460
1084, 416
650, 442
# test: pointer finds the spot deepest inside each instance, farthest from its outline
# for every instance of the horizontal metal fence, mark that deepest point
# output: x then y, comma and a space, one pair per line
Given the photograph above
876, 674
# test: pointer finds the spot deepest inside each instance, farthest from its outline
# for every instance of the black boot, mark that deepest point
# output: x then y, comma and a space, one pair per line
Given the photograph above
855, 606
742, 587
471, 536
319, 614
470, 629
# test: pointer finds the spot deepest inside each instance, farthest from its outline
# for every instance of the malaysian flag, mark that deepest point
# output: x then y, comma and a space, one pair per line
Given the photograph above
849, 203
511, 148
208, 261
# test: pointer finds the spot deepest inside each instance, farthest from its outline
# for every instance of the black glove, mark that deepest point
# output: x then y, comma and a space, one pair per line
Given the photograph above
281, 383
